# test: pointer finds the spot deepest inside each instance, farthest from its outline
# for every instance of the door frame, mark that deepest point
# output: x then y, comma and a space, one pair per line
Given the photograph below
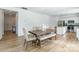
15, 21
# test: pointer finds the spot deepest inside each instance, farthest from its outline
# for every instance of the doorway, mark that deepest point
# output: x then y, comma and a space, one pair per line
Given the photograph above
10, 24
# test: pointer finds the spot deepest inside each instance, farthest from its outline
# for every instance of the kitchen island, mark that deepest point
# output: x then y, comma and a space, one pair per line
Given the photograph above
62, 31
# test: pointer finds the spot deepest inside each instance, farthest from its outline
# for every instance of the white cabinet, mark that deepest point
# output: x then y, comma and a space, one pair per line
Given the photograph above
61, 30
75, 29
77, 33
64, 30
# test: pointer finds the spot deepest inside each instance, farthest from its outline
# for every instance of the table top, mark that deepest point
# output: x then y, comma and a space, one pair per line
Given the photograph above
41, 32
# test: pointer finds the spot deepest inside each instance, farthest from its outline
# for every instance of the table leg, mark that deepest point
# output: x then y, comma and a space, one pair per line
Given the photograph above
38, 43
55, 37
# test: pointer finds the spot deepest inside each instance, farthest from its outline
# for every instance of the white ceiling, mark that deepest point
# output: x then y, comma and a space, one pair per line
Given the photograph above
55, 10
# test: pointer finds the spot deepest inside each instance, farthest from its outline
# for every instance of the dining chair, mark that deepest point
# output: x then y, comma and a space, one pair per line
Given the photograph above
44, 27
28, 38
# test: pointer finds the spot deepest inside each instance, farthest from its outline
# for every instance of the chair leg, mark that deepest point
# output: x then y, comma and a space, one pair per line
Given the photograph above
24, 42
26, 45
34, 43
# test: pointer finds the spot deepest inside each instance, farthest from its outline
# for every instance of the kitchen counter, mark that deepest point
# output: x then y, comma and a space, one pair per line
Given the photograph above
77, 33
61, 30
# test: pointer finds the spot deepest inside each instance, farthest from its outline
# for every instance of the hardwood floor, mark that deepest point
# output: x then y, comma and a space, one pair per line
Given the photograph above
71, 36
66, 43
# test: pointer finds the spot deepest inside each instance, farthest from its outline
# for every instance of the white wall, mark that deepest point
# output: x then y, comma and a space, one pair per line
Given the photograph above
28, 19
54, 20
1, 23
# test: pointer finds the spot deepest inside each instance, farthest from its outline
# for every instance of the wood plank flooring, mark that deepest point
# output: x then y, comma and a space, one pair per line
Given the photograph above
66, 43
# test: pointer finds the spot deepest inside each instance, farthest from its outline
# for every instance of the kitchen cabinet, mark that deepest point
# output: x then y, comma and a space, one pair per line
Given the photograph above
61, 30
77, 33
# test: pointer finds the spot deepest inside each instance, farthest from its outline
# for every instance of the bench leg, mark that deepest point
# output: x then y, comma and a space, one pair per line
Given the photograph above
34, 43
39, 43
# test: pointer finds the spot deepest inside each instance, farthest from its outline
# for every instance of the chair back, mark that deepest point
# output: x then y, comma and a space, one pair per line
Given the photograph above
25, 33
44, 27
36, 28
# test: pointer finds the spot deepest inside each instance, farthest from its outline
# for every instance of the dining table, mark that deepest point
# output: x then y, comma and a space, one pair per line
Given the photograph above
40, 32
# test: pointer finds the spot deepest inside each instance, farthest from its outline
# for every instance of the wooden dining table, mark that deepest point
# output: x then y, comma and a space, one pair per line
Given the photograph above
41, 32
38, 33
